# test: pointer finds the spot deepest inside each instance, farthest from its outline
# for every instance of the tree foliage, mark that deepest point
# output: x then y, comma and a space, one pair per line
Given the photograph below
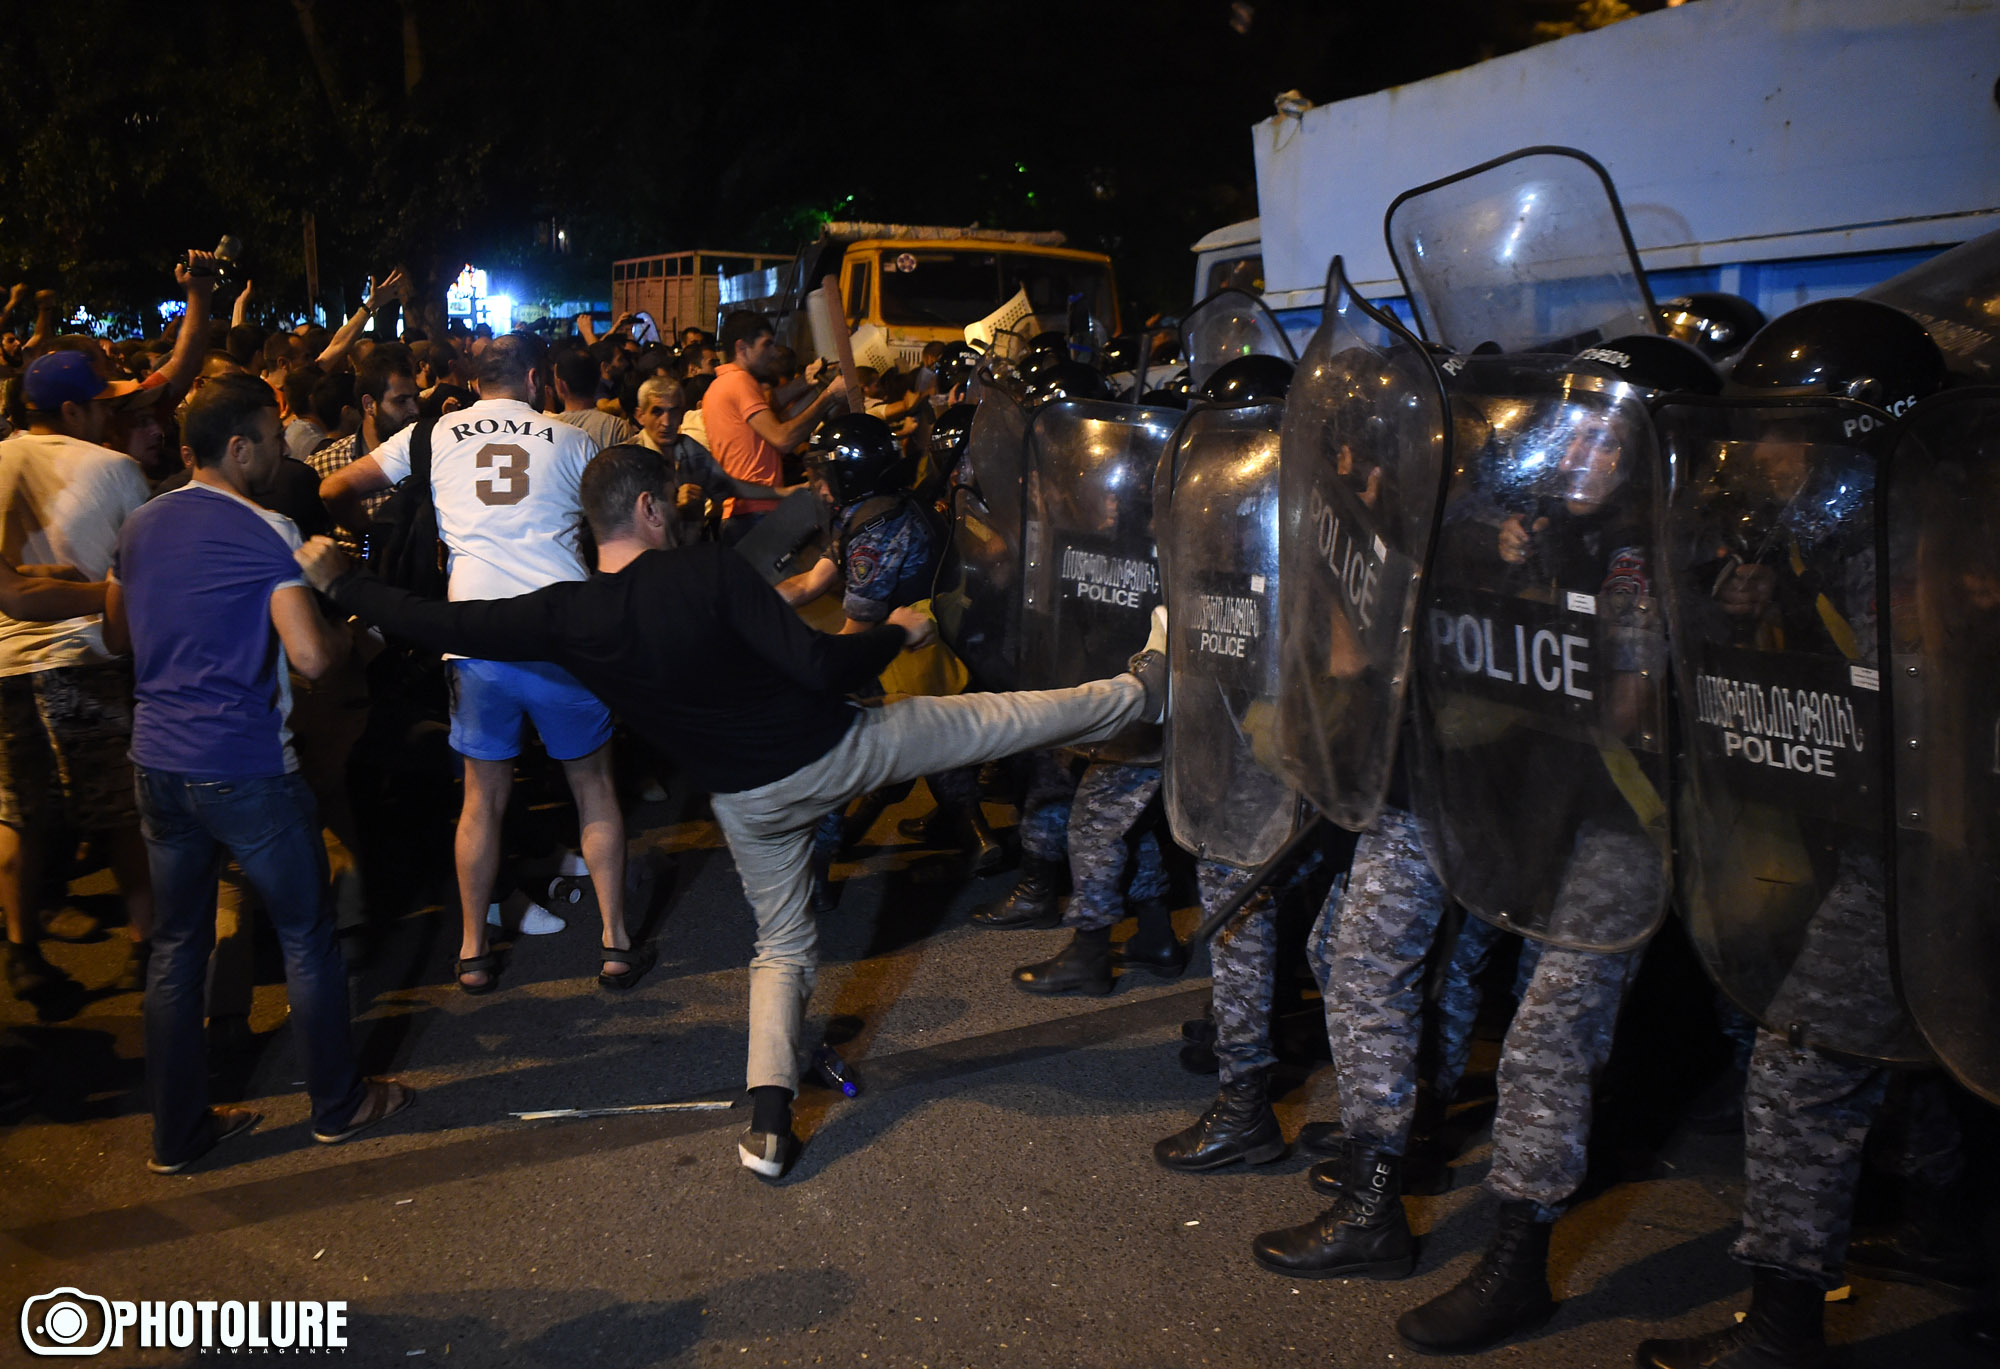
435, 132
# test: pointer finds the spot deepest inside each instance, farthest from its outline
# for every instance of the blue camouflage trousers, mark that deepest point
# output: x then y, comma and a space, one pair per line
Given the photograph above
1806, 1114
1368, 950
1111, 825
1044, 826
1244, 954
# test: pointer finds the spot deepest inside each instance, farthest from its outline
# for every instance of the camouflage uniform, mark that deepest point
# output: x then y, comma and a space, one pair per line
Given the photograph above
1044, 826
1805, 1119
1459, 997
1806, 1113
1112, 802
1368, 950
888, 563
1245, 957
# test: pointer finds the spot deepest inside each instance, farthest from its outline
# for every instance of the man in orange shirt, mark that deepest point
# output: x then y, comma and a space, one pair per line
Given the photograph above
744, 431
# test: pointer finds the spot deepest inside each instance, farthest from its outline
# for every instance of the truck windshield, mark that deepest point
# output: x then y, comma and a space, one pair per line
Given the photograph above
952, 289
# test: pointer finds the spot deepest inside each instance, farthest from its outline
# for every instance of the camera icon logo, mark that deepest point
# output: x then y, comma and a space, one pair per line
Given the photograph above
59, 1322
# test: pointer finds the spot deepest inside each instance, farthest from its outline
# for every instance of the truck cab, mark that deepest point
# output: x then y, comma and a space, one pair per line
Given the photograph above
922, 285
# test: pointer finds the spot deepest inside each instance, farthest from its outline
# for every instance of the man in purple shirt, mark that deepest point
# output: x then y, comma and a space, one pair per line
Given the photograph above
205, 591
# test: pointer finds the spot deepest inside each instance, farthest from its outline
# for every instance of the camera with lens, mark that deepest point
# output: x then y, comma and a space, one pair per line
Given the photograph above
228, 260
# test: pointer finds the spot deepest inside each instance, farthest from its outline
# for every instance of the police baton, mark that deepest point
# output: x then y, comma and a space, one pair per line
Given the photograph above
1221, 917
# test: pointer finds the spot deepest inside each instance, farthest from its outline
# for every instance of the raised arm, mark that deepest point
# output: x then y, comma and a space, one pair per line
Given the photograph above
341, 342
191, 342
788, 433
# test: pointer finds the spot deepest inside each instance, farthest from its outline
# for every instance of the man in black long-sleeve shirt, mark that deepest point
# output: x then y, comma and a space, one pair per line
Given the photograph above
695, 653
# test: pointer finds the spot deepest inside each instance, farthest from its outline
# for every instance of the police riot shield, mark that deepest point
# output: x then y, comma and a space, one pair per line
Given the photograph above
1090, 569
1771, 586
1940, 491
1539, 765
1526, 253
1956, 296
1215, 503
1362, 461
978, 597
1228, 324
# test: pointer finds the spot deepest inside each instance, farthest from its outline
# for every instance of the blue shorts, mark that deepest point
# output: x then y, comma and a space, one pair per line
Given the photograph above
491, 699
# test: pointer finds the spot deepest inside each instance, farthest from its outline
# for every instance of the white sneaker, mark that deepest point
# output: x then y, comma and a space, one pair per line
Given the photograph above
536, 921
572, 866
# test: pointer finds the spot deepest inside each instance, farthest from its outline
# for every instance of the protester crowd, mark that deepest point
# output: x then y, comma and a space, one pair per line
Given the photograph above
242, 570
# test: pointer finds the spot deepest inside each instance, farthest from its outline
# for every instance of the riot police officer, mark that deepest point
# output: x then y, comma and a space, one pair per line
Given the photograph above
1793, 571
1579, 866
884, 556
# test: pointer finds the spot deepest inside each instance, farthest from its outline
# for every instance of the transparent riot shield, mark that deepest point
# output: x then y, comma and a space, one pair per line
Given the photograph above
978, 597
1215, 503
1771, 586
1228, 324
1091, 572
1364, 451
1526, 253
1941, 490
1539, 766
1956, 296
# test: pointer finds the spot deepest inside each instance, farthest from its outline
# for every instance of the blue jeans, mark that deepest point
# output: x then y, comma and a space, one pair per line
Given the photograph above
270, 828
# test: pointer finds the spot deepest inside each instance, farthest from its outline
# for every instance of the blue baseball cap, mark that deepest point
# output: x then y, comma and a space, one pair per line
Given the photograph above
65, 377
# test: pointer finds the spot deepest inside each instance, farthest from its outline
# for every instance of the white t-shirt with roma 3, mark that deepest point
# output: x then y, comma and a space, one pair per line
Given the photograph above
504, 478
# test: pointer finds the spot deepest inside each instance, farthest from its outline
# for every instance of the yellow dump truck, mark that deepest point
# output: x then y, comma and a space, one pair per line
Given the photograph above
922, 285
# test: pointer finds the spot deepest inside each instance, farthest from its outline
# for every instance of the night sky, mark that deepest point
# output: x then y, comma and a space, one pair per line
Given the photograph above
434, 132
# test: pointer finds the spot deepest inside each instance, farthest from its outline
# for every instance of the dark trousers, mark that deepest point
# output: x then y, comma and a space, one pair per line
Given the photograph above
269, 827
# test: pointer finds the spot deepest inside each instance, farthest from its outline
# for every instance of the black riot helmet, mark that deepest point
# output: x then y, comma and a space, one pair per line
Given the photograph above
1173, 393
1121, 354
954, 366
1851, 348
1664, 365
1050, 341
857, 456
1249, 380
1065, 380
949, 434
1718, 324
1034, 363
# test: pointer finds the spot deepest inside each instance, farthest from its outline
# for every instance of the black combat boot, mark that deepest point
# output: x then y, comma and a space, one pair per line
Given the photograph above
1239, 1125
1153, 947
964, 829
1506, 1293
1036, 899
1364, 1234
985, 849
1083, 966
1928, 1241
1783, 1330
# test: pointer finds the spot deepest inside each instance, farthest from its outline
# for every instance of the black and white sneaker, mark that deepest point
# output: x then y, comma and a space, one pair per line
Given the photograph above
768, 1155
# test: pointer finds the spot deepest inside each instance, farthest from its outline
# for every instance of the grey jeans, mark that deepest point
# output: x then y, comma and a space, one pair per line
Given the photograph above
770, 828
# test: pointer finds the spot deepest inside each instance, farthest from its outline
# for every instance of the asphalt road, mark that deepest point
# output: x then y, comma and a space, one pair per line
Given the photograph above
990, 1199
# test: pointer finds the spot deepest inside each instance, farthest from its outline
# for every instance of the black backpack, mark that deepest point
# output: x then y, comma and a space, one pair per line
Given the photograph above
403, 547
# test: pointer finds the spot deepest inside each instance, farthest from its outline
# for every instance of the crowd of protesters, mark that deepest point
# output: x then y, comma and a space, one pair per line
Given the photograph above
196, 682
